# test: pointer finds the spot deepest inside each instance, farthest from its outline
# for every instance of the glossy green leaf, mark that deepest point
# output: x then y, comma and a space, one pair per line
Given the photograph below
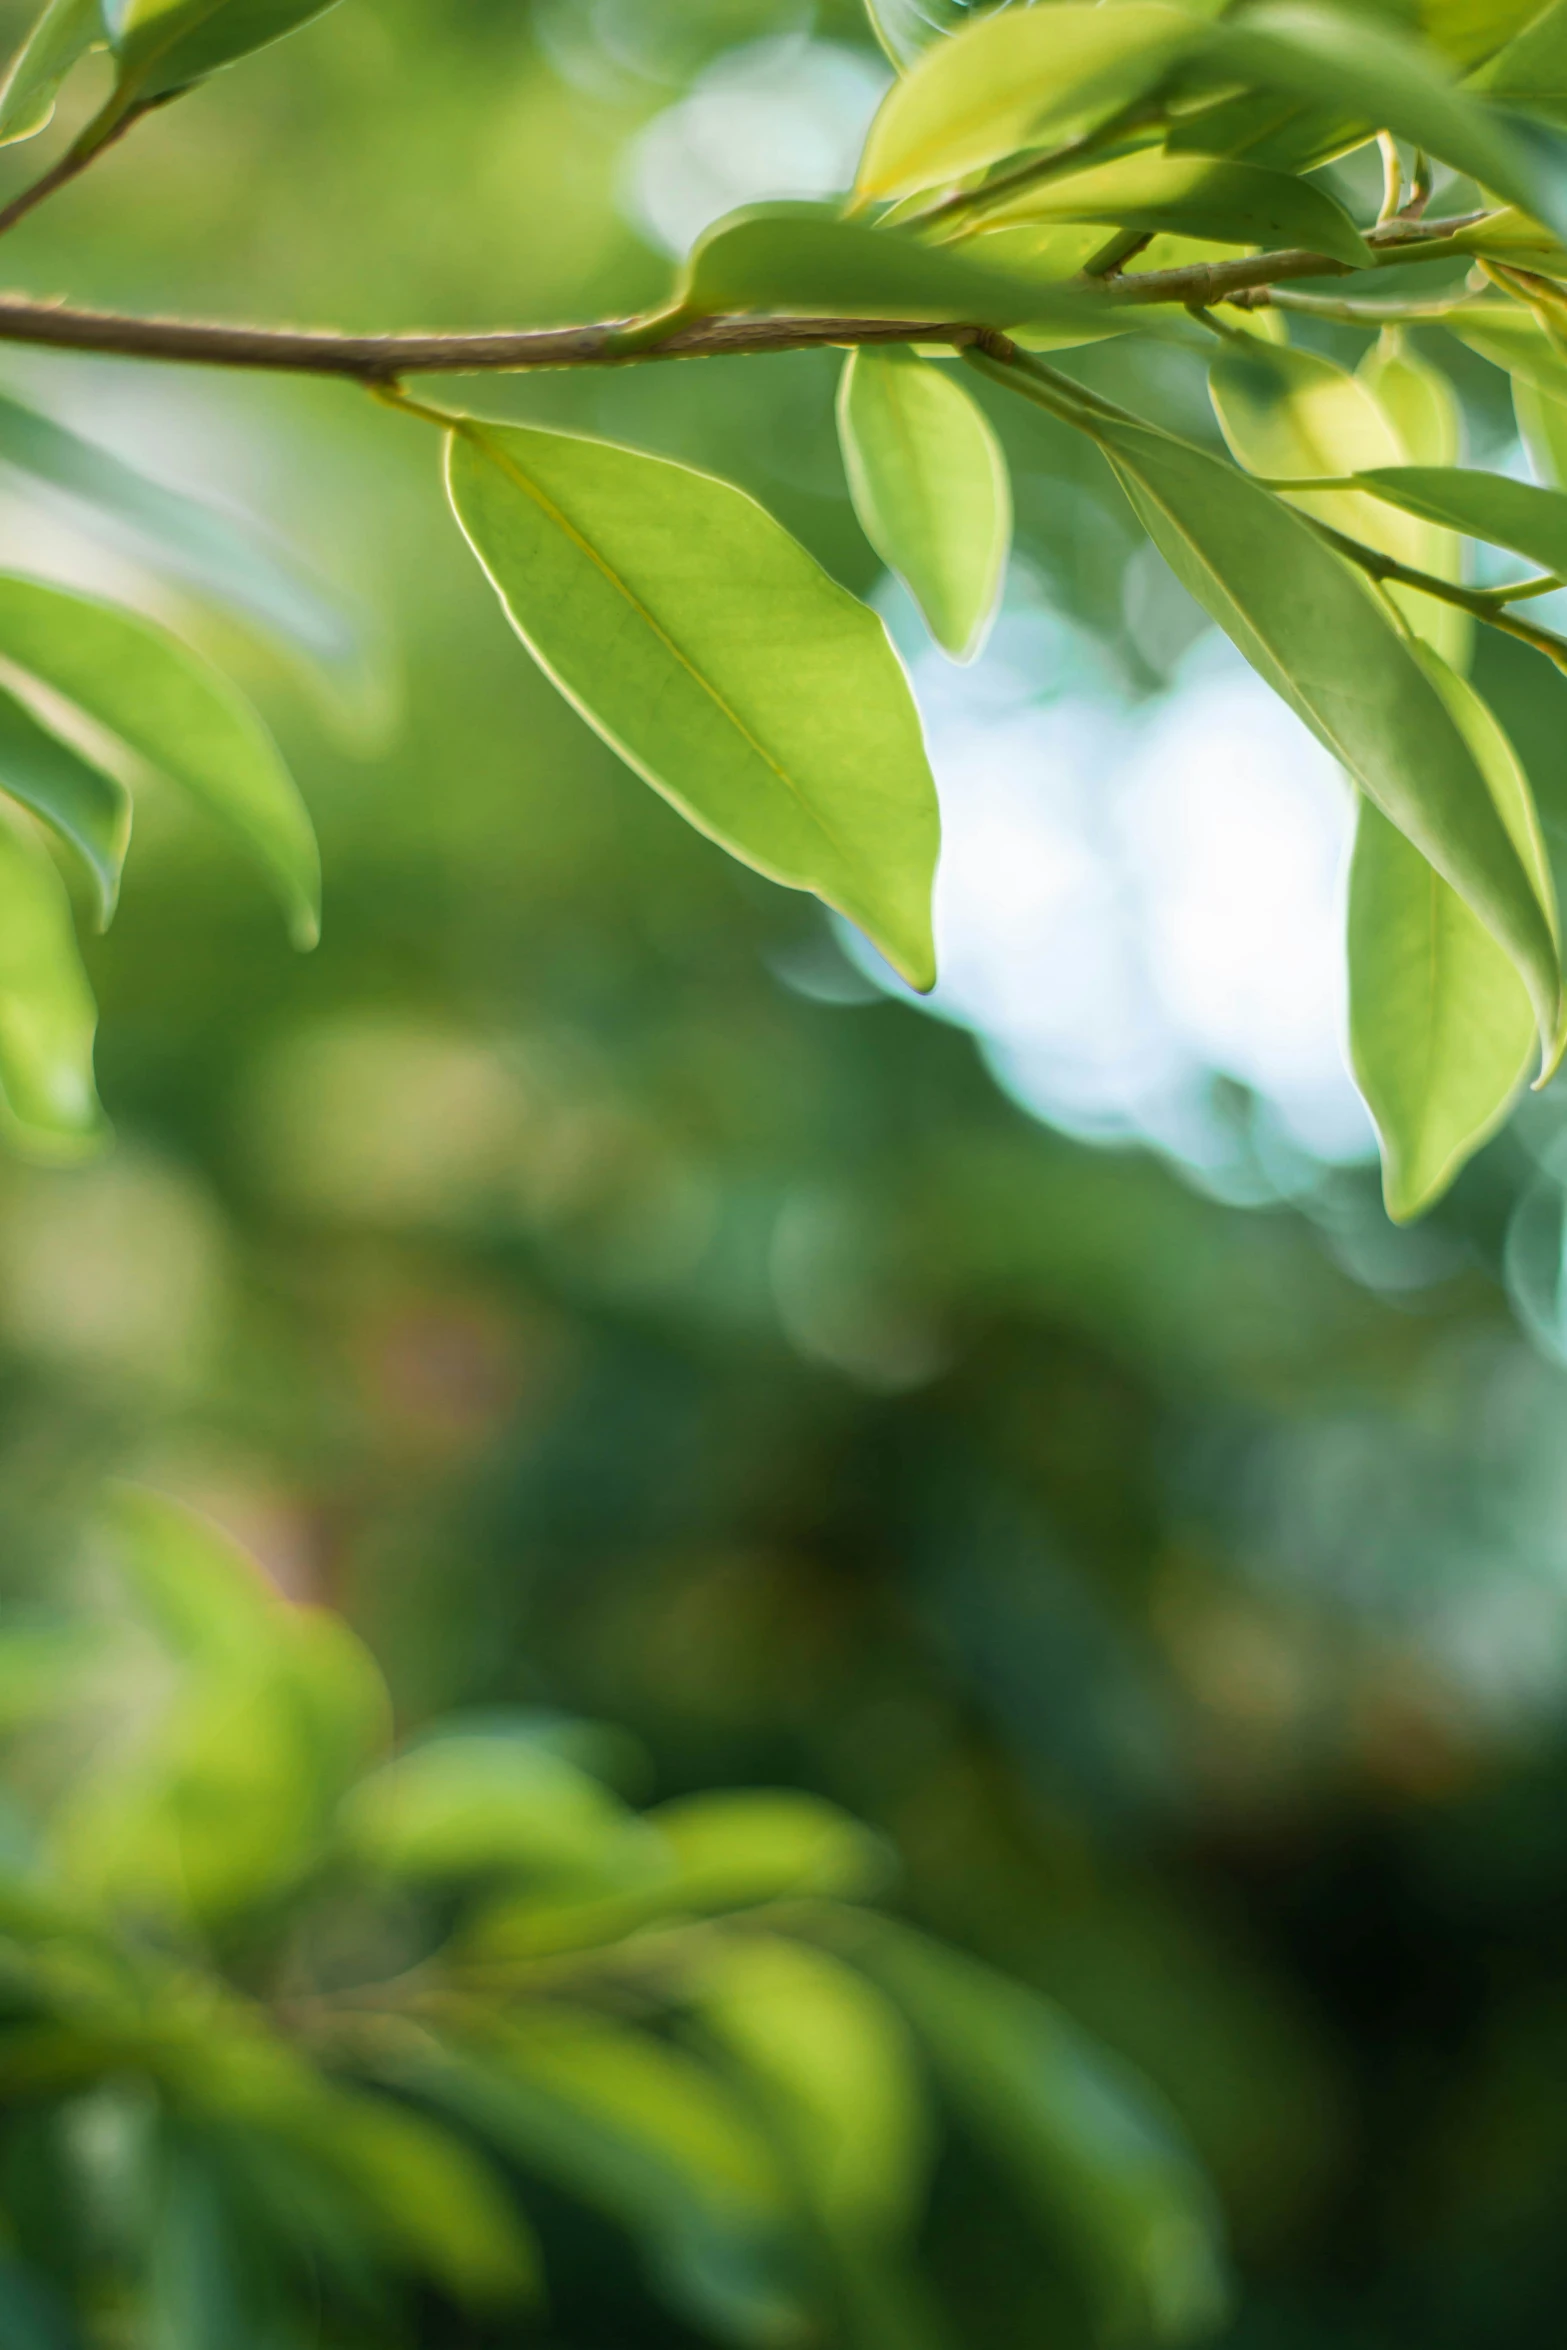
178, 713
717, 657
1197, 196
930, 486
1085, 2140
64, 33
193, 541
1515, 514
164, 45
1542, 426
1288, 414
1341, 59
47, 1014
1417, 399
1014, 79
1531, 71
807, 257
83, 803
1468, 30
1441, 1030
645, 2133
1317, 634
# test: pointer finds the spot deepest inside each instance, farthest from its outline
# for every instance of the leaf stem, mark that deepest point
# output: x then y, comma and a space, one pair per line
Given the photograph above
1484, 603
108, 125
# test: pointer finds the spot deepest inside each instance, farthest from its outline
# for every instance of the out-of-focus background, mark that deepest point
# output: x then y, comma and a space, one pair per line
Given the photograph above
1013, 1417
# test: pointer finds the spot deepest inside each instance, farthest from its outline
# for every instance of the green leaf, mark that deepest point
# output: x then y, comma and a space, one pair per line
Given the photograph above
1196, 196
1288, 414
473, 1805
808, 258
1318, 635
164, 45
178, 713
1513, 339
194, 541
648, 2135
1531, 72
62, 36
1013, 80
1083, 2136
1342, 60
47, 1014
833, 2064
83, 803
717, 657
929, 484
1417, 398
906, 27
1441, 1029
1542, 426
1515, 514
761, 1844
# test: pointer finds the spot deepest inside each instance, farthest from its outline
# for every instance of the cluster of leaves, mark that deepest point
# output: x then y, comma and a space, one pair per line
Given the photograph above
290, 2020
1028, 172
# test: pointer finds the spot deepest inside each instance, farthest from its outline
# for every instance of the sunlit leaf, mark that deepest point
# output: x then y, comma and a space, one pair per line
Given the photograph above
1314, 631
1084, 2138
717, 657
63, 34
905, 27
930, 486
1512, 338
82, 802
808, 258
760, 1844
164, 45
473, 1805
47, 1014
1417, 398
1289, 414
1516, 514
194, 541
1014, 79
1542, 426
179, 714
1198, 196
1441, 1029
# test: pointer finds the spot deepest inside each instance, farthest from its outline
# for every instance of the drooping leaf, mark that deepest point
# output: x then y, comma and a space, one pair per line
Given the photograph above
1531, 71
1345, 60
47, 1014
1013, 79
761, 1844
1317, 634
64, 33
1197, 196
1417, 398
930, 486
1289, 414
1516, 514
1085, 2140
194, 541
645, 2133
83, 803
808, 258
833, 2063
1441, 1030
173, 709
719, 660
164, 45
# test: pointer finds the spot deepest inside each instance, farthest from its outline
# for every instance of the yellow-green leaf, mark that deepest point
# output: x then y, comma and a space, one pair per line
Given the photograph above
64, 33
1197, 196
930, 486
47, 1014
1441, 1029
82, 802
717, 657
164, 45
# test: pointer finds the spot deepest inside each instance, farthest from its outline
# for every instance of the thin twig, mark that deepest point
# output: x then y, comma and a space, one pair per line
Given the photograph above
99, 136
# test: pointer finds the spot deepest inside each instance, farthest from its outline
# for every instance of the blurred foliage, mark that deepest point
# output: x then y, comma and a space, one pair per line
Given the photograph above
578, 1276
